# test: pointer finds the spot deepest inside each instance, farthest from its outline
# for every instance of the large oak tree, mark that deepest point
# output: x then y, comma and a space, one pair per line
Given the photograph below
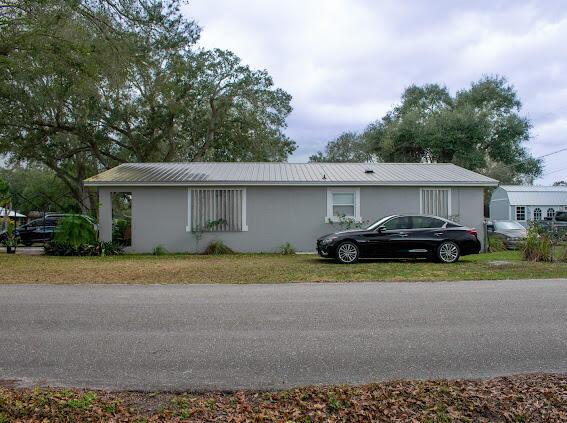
479, 128
88, 84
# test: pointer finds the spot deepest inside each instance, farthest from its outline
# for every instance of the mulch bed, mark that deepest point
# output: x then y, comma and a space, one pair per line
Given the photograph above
524, 398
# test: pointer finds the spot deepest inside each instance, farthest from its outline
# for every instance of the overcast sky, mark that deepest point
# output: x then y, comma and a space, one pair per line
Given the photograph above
346, 62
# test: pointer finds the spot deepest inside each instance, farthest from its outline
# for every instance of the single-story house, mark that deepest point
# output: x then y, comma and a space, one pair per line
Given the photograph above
524, 202
12, 214
255, 207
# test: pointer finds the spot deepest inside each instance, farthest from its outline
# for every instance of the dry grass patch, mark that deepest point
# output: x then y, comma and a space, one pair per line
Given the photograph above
262, 268
528, 398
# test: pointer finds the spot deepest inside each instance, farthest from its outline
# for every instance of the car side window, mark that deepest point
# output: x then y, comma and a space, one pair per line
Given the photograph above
402, 222
421, 222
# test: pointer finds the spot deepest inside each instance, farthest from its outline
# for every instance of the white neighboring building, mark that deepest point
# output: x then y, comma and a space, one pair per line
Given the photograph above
12, 214
524, 203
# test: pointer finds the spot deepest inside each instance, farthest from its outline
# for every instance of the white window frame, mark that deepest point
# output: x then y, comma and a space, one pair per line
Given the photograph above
540, 213
331, 191
449, 199
525, 213
189, 208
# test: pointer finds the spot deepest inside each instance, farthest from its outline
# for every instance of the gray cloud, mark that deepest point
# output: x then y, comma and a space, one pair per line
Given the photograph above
346, 62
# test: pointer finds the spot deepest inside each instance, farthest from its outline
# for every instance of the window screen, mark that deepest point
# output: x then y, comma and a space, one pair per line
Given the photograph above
435, 202
343, 204
217, 210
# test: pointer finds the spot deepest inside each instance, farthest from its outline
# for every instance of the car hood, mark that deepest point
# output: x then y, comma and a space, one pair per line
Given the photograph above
514, 233
341, 233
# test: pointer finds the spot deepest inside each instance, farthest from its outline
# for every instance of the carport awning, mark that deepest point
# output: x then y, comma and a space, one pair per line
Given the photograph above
12, 213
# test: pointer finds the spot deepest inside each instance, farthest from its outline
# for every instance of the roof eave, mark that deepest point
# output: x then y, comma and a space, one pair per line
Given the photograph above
287, 183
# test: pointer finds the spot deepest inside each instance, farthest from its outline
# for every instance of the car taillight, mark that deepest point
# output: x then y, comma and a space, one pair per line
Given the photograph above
472, 232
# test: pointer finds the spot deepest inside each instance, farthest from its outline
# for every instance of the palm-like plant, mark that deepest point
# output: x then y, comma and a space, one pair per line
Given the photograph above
75, 230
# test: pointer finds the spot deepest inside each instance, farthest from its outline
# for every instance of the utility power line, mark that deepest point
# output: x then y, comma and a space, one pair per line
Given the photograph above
552, 153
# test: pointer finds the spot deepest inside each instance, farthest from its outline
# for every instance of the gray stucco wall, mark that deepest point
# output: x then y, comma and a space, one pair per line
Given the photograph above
274, 215
499, 205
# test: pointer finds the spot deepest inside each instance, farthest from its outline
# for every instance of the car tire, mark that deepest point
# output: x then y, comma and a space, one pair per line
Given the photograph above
347, 252
448, 252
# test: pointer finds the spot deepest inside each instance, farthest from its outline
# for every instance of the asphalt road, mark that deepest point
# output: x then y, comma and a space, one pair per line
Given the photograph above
177, 337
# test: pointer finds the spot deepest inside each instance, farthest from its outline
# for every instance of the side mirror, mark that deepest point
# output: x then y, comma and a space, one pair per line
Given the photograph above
380, 229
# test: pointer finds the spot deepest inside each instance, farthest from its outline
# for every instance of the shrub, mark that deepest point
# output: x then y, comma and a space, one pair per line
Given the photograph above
75, 230
217, 248
538, 245
287, 249
10, 240
57, 248
159, 250
495, 244
121, 231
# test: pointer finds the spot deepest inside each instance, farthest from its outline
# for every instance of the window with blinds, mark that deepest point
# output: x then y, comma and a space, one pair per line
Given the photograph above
436, 202
217, 210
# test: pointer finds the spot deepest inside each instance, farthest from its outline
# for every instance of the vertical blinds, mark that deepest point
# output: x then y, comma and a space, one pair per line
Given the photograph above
216, 210
435, 202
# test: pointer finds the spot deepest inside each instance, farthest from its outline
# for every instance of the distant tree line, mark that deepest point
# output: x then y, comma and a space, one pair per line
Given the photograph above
479, 128
88, 84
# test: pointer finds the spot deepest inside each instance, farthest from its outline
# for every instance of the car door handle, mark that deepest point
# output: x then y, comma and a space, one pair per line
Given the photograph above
403, 234
438, 233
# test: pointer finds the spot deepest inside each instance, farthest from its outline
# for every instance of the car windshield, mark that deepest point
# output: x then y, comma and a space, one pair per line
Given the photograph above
507, 226
378, 223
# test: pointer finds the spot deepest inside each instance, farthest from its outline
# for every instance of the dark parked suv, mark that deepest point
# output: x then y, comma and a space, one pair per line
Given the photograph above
41, 230
402, 236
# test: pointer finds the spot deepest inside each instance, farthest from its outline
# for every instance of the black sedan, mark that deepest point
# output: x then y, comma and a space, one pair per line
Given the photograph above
402, 236
41, 230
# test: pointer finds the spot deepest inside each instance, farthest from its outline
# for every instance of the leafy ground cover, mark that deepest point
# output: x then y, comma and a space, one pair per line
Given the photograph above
262, 268
524, 398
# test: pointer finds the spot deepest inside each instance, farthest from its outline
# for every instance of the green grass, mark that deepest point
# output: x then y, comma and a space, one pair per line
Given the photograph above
263, 268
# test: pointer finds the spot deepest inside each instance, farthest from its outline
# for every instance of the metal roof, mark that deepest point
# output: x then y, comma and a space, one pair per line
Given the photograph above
12, 213
214, 173
525, 195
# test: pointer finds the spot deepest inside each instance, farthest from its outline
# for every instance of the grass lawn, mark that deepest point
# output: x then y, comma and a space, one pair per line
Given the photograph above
529, 398
262, 268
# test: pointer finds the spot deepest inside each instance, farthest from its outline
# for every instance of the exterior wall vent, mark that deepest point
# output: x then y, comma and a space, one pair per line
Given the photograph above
368, 171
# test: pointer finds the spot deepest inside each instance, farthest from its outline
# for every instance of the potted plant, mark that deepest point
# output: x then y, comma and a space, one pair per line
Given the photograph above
10, 240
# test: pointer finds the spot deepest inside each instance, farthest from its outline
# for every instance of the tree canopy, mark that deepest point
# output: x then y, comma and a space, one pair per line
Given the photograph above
88, 84
479, 128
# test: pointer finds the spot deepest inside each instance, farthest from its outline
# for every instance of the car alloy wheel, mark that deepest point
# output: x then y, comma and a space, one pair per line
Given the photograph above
347, 253
448, 252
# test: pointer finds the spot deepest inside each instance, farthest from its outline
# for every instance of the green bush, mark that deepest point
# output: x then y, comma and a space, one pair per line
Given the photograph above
121, 232
495, 244
159, 250
76, 231
99, 248
217, 248
287, 249
11, 240
538, 245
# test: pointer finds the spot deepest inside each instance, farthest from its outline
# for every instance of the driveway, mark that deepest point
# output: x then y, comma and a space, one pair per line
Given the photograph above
177, 337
